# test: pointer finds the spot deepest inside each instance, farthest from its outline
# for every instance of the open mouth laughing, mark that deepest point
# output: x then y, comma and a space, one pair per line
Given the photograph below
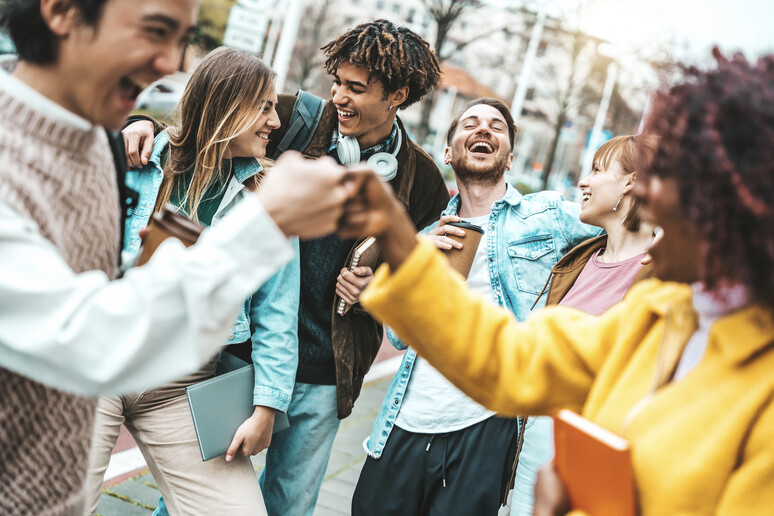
345, 115
481, 147
130, 89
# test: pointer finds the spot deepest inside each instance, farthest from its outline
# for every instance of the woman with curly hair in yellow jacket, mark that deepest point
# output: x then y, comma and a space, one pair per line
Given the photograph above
682, 367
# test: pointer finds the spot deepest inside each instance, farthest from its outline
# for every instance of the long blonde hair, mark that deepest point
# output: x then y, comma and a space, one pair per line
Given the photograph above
224, 98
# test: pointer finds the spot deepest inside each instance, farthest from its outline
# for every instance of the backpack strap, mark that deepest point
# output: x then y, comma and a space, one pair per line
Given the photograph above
127, 197
307, 112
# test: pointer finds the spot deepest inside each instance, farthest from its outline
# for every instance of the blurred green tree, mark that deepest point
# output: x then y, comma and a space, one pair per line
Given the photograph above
213, 17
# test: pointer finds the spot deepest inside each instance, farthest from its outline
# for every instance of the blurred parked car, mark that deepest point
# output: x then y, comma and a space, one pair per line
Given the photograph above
7, 53
164, 94
7, 62
6, 45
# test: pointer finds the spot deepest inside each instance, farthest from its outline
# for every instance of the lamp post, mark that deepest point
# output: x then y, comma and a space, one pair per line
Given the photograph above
604, 104
271, 40
522, 83
287, 41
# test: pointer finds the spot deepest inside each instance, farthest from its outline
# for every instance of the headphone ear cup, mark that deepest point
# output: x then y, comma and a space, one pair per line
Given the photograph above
385, 164
348, 150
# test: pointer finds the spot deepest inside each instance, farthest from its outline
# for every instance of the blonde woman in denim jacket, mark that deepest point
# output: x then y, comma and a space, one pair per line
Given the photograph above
204, 166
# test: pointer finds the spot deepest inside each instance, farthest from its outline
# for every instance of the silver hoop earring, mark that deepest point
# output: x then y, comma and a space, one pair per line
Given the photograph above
618, 203
389, 108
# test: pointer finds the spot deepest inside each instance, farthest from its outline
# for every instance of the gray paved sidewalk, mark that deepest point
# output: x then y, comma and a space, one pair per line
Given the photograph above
139, 495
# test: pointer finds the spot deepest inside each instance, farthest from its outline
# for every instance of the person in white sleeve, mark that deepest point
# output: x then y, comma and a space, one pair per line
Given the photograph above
68, 328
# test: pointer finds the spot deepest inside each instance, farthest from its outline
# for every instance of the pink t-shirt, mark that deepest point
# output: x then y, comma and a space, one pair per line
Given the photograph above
601, 285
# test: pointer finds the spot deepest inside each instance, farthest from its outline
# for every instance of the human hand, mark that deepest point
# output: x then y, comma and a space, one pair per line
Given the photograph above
138, 143
551, 497
305, 197
254, 435
438, 234
350, 284
374, 210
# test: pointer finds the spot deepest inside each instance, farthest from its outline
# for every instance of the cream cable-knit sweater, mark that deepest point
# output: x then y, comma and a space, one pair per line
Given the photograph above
63, 179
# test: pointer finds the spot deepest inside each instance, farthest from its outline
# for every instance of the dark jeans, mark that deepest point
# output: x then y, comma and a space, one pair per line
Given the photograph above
457, 473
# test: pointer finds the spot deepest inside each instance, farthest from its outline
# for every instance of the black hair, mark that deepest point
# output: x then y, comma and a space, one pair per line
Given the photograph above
33, 39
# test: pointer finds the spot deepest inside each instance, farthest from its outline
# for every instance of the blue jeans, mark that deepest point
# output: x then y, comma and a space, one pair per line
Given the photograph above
297, 458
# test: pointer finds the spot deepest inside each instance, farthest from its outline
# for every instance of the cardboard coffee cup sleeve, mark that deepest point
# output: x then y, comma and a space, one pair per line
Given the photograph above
461, 260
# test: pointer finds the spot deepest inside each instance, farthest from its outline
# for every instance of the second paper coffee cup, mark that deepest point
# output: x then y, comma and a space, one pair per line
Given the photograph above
461, 260
168, 224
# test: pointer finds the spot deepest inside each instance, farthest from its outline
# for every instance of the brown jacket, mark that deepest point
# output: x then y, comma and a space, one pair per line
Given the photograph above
420, 187
567, 270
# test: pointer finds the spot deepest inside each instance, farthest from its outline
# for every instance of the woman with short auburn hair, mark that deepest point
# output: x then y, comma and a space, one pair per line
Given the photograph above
597, 273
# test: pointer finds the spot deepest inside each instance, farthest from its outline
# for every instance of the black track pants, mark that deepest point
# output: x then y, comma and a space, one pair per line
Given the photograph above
474, 464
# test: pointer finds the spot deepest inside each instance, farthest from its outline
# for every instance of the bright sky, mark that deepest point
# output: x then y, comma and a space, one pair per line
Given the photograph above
694, 25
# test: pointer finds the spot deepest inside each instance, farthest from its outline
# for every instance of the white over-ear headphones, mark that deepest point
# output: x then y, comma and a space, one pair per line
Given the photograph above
385, 163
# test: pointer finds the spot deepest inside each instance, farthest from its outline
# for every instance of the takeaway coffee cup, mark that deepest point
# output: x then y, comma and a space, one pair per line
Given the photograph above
461, 260
168, 223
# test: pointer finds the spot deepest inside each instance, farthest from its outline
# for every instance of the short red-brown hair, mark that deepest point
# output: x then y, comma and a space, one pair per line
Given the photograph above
630, 152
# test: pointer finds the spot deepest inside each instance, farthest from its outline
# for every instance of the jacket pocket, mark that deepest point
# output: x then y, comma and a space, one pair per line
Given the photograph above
532, 258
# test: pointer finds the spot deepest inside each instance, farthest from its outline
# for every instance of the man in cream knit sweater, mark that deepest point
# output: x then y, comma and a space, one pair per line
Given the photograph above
67, 330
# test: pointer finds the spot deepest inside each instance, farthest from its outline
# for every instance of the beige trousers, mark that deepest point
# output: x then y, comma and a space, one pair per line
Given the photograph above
161, 424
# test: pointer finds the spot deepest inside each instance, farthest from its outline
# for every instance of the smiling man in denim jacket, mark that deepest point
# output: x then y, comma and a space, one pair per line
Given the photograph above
453, 454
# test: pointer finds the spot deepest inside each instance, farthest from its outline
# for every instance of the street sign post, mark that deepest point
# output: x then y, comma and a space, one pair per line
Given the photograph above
257, 5
246, 28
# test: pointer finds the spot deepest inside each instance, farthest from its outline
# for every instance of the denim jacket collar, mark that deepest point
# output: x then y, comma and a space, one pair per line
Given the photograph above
160, 144
245, 168
512, 197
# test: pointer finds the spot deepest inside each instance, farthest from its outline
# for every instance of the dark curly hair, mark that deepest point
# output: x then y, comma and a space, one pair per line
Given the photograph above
716, 134
395, 56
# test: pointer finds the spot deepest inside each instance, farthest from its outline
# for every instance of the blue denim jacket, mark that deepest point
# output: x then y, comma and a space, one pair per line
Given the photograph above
269, 318
526, 236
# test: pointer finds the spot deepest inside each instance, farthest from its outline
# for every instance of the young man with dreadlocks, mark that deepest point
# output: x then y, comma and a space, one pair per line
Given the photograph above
377, 68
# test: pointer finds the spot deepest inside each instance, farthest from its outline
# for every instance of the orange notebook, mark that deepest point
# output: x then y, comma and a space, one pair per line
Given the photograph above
595, 466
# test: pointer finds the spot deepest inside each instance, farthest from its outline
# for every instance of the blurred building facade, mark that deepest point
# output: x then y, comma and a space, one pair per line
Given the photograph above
484, 53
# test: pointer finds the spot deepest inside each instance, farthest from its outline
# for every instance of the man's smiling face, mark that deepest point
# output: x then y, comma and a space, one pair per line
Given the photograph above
480, 148
104, 67
364, 109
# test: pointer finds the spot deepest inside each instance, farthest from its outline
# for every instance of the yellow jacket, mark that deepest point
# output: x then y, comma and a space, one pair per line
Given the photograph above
700, 445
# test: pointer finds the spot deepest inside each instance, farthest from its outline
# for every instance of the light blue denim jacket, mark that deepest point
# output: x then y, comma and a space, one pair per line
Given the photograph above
269, 318
526, 236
